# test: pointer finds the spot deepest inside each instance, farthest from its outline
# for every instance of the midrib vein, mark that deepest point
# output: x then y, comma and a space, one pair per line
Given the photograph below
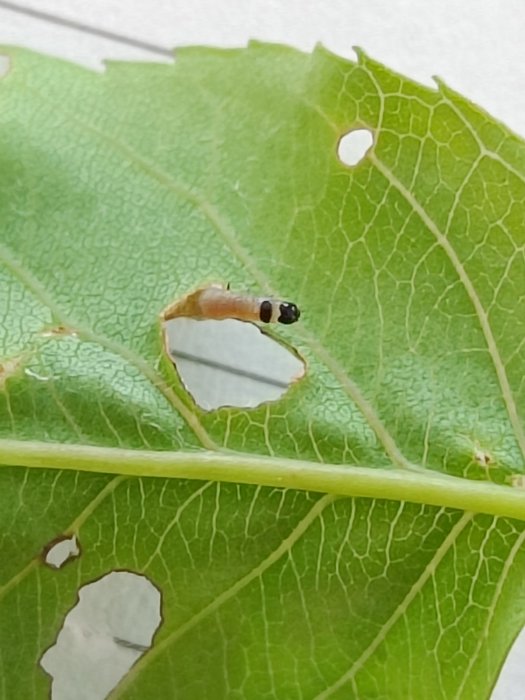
417, 486
471, 292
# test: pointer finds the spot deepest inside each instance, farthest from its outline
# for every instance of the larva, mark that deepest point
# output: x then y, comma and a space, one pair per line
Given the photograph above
217, 303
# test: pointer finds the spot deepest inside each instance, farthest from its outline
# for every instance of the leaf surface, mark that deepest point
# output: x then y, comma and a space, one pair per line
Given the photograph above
120, 192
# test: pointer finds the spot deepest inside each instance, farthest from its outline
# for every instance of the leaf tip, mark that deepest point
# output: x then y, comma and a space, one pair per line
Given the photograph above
360, 53
440, 83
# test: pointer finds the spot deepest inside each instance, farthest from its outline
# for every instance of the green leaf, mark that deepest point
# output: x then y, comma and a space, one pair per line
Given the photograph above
120, 192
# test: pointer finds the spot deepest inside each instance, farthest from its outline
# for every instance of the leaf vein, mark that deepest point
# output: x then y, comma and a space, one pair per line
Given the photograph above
471, 292
230, 239
256, 573
402, 608
38, 290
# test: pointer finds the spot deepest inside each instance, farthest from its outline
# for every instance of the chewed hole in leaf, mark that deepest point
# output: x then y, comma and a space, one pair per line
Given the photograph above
107, 631
354, 145
5, 65
229, 362
61, 551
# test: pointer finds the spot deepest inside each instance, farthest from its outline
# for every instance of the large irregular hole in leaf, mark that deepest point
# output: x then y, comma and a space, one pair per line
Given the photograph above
229, 362
110, 627
60, 551
354, 145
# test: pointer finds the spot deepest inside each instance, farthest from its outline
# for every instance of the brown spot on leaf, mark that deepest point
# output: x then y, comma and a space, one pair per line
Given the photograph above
59, 331
483, 458
10, 367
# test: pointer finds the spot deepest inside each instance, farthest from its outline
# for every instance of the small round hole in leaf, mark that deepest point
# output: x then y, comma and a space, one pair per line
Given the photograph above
60, 551
353, 146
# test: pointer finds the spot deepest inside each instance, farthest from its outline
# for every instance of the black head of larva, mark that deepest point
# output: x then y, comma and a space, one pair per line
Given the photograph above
289, 313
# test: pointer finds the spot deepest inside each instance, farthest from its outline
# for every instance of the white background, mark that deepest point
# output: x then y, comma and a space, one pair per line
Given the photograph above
476, 46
